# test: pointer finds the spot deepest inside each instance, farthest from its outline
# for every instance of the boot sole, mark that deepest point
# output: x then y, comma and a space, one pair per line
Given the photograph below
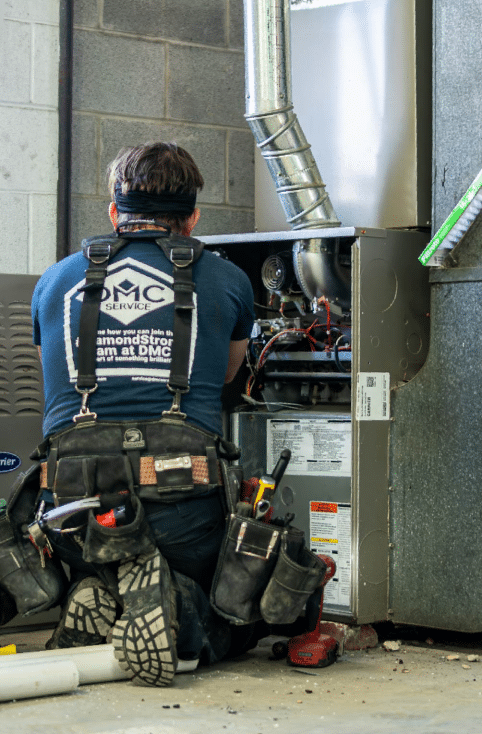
142, 638
92, 611
90, 615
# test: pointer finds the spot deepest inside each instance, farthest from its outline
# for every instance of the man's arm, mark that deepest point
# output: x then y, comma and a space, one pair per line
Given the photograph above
237, 350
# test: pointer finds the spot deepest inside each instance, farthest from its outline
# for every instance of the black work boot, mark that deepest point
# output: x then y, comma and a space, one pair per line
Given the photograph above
144, 636
87, 617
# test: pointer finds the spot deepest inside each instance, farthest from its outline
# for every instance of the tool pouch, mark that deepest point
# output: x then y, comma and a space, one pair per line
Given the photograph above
34, 580
108, 544
104, 545
246, 562
298, 572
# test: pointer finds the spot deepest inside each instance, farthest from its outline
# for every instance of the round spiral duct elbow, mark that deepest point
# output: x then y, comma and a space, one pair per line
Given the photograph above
279, 137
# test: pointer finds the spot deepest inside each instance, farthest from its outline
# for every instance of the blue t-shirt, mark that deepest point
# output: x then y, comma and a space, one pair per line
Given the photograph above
135, 336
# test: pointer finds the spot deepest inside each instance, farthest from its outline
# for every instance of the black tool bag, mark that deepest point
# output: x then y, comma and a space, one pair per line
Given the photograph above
297, 574
30, 577
264, 572
246, 561
107, 544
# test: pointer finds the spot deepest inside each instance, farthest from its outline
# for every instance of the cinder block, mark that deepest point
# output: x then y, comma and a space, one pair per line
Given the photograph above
45, 87
205, 145
241, 168
196, 21
206, 85
84, 155
29, 150
224, 221
90, 216
33, 11
86, 13
14, 240
118, 75
15, 50
236, 24
42, 240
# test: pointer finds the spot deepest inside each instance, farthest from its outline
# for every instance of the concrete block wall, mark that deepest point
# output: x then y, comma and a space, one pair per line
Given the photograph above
28, 134
146, 70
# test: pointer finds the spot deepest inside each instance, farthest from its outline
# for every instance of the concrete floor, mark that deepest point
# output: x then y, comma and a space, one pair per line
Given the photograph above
416, 689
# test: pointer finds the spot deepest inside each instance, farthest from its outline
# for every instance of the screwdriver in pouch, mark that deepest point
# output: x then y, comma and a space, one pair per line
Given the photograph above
268, 483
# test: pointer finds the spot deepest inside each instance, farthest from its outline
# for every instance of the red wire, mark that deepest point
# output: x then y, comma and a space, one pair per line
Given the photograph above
323, 302
305, 332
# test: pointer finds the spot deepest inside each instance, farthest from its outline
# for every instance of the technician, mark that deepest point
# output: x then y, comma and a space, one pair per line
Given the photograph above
130, 434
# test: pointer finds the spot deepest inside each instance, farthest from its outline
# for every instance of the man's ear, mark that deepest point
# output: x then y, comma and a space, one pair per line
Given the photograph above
191, 223
113, 214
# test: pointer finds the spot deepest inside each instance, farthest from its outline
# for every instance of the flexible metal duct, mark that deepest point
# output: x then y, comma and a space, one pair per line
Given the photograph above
269, 112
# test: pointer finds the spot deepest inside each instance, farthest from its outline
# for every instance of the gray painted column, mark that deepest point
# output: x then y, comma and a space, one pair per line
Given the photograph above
457, 138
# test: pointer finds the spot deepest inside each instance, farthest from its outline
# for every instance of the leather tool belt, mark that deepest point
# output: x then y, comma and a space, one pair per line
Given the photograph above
159, 460
149, 465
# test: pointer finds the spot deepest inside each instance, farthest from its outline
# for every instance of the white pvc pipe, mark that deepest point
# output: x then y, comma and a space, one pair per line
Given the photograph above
39, 678
95, 664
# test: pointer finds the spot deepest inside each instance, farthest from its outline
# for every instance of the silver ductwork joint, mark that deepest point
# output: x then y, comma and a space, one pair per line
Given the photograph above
270, 115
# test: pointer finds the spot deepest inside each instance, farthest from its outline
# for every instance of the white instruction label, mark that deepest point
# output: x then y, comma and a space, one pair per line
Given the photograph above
372, 396
330, 535
319, 446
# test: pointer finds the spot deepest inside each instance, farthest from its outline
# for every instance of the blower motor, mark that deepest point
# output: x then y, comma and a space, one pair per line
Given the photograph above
278, 275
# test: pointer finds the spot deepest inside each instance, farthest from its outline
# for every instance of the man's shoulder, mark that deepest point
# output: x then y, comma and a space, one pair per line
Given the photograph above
65, 264
70, 266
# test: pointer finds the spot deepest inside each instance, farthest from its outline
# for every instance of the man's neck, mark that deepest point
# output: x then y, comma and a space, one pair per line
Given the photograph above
141, 227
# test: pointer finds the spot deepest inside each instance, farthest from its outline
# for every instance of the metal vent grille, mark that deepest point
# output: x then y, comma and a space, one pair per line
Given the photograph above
20, 374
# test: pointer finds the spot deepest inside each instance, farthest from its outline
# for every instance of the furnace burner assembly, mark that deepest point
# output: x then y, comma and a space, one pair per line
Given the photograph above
297, 362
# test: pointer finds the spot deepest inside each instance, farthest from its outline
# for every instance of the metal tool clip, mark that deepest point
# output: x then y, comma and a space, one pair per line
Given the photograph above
269, 549
84, 410
175, 409
178, 462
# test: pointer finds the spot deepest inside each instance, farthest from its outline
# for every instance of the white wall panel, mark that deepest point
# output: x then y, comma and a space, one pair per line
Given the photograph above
354, 91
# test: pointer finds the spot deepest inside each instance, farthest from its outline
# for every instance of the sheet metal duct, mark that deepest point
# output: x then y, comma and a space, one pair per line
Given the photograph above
435, 459
269, 112
278, 135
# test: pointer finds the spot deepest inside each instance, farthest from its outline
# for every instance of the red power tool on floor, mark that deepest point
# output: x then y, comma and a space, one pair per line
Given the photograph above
313, 649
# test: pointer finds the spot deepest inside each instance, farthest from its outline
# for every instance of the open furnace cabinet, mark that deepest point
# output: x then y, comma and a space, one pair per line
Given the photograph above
337, 480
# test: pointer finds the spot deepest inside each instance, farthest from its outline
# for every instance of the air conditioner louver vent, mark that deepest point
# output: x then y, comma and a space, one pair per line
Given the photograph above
20, 375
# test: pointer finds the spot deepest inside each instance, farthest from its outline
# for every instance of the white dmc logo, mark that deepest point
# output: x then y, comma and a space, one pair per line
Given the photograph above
131, 292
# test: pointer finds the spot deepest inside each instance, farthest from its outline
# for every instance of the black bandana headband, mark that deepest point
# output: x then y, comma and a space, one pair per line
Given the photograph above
142, 202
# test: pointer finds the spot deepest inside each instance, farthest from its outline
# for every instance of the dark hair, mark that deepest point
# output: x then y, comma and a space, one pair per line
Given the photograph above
155, 167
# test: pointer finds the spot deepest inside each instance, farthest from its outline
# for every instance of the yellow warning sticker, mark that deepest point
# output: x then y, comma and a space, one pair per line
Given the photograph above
324, 540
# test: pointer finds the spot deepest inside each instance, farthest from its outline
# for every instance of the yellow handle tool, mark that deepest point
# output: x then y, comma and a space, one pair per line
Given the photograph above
268, 483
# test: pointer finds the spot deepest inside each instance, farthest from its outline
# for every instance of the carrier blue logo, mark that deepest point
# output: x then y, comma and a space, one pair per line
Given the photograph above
8, 462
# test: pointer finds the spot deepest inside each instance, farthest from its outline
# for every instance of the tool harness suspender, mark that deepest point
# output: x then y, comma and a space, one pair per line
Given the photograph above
182, 252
